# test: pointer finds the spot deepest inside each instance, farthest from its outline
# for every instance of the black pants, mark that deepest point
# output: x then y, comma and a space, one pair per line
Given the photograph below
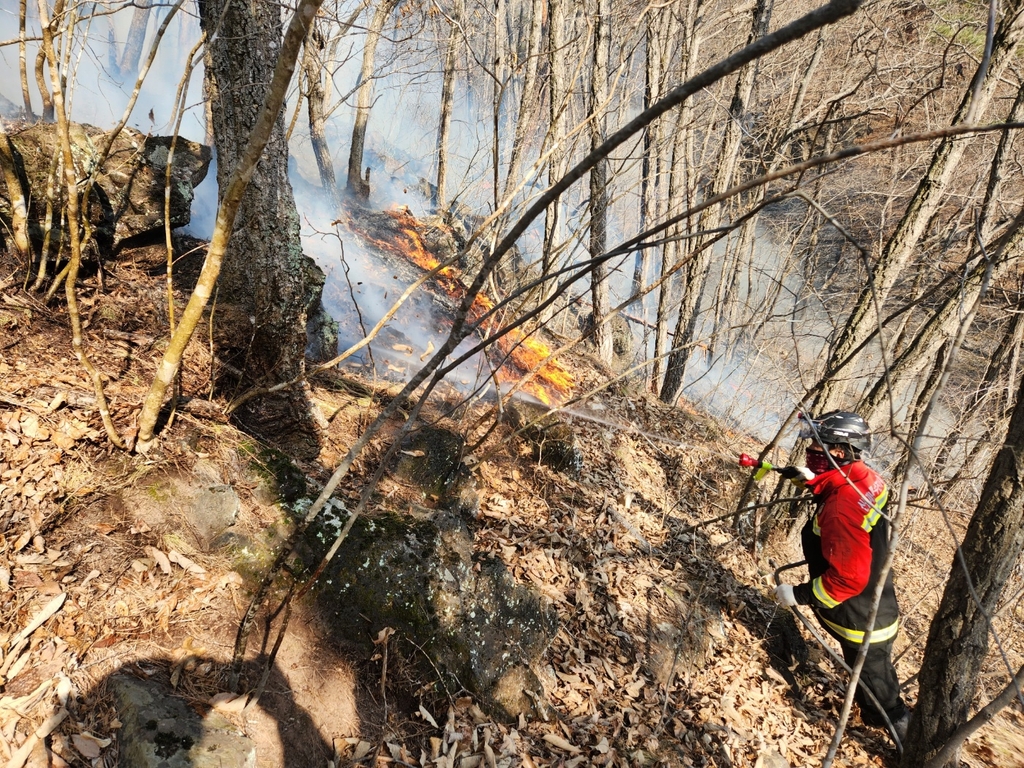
879, 675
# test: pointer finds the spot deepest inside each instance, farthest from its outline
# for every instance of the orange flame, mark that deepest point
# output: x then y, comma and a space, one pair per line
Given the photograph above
522, 353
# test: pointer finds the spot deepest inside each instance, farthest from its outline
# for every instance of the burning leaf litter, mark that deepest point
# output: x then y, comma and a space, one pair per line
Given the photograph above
516, 353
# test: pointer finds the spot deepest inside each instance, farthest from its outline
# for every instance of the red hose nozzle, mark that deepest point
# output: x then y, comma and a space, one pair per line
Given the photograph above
748, 461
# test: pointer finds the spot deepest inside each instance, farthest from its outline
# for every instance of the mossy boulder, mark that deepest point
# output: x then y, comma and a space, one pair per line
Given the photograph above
552, 441
431, 458
417, 574
127, 200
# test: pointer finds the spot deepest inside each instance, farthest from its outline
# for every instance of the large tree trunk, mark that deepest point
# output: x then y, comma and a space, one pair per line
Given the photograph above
557, 86
265, 275
358, 185
22, 64
698, 268
678, 160
129, 63
958, 638
19, 200
447, 96
529, 102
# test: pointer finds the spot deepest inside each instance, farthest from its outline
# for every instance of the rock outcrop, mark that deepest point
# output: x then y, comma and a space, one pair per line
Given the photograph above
160, 730
417, 574
127, 200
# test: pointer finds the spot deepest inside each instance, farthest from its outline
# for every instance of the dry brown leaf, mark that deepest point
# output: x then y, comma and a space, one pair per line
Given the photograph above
427, 716
229, 702
161, 559
47, 611
88, 745
362, 750
557, 741
176, 557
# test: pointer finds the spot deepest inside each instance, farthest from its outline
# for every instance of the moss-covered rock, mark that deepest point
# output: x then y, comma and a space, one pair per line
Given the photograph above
552, 440
128, 198
431, 458
282, 480
418, 575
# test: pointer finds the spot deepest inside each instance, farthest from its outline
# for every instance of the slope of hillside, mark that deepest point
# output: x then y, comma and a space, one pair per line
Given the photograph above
670, 651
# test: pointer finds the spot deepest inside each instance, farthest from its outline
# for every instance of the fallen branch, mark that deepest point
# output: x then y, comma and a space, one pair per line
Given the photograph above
48, 610
49, 726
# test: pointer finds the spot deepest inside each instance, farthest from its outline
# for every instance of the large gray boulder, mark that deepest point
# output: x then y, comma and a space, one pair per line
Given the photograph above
128, 198
160, 730
417, 573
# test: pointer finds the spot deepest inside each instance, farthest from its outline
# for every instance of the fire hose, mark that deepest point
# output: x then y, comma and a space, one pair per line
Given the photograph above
839, 659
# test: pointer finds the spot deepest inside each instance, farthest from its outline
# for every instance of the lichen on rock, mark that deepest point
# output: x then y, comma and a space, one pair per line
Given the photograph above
417, 574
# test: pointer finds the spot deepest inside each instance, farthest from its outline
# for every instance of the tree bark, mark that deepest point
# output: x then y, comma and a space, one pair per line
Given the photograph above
557, 86
902, 243
357, 185
903, 371
22, 63
447, 97
696, 273
256, 236
599, 290
129, 64
265, 271
16, 194
958, 638
529, 102
314, 67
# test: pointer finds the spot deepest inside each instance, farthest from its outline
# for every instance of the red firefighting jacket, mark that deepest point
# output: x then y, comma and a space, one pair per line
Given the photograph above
846, 542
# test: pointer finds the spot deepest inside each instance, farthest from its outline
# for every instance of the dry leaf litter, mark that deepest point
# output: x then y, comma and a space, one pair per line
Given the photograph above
661, 658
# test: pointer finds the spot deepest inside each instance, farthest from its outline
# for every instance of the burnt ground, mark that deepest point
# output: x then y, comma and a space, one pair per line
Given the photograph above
670, 650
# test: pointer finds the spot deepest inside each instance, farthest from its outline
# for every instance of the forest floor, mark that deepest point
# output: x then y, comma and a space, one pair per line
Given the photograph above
670, 652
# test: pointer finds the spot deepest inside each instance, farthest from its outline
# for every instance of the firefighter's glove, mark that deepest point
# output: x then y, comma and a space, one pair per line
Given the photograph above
797, 475
784, 594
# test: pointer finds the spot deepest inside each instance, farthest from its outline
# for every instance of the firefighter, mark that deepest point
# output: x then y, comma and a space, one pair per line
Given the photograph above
845, 542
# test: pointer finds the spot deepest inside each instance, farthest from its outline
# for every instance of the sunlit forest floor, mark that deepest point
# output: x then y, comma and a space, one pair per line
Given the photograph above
670, 649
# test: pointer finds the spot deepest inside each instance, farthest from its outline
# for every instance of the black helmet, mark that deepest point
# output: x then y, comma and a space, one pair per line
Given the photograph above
838, 428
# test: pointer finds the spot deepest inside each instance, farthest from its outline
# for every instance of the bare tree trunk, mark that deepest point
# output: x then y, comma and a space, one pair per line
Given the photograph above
599, 290
265, 271
695, 280
529, 101
22, 64
671, 253
129, 63
314, 69
48, 50
237, 166
447, 97
902, 243
16, 194
357, 185
958, 637
47, 115
680, 171
499, 82
557, 86
921, 349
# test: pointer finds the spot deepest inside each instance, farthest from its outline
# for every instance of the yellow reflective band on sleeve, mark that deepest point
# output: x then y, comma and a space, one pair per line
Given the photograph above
823, 597
880, 635
873, 515
816, 528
